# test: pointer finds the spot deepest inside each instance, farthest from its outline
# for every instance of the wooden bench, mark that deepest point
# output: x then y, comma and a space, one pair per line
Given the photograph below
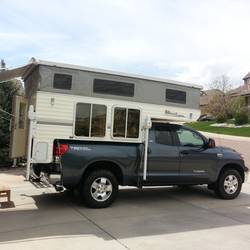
5, 192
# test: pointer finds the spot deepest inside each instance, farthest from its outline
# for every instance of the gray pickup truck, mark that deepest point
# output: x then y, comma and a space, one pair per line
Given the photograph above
177, 155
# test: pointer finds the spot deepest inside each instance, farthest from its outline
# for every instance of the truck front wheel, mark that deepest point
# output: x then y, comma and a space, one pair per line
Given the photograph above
229, 184
99, 189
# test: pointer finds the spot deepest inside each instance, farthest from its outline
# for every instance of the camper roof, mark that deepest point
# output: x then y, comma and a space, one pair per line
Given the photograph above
26, 70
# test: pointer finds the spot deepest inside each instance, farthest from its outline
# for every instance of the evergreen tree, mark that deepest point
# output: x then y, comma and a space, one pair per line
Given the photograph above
7, 91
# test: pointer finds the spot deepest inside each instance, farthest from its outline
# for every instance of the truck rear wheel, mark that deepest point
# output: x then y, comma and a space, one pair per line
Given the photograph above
229, 184
99, 189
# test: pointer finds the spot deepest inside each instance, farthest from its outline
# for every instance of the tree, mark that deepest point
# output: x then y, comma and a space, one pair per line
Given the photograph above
220, 106
221, 83
7, 91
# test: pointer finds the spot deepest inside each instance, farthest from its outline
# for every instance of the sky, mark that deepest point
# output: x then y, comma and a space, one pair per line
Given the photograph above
187, 40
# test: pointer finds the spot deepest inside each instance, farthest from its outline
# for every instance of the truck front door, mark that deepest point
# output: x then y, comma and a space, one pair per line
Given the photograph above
197, 162
163, 156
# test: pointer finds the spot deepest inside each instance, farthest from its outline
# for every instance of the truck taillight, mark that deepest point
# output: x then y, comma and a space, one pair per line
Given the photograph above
61, 150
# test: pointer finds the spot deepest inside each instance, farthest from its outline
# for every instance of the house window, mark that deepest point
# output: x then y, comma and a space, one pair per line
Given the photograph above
62, 81
176, 96
90, 120
108, 87
126, 123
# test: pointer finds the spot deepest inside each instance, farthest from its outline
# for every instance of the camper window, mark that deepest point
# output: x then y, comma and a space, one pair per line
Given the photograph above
176, 96
98, 121
90, 120
113, 87
133, 123
62, 81
126, 122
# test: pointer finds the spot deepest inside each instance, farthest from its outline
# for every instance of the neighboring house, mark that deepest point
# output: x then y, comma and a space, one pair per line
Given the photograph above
243, 90
205, 98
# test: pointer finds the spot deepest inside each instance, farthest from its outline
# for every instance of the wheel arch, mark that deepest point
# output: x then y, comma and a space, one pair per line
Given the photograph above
234, 166
107, 165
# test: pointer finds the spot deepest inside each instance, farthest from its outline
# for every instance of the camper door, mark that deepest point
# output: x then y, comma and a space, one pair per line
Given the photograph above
19, 127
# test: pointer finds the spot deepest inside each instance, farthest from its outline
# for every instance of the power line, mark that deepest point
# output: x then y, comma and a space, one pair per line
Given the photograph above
6, 112
1, 117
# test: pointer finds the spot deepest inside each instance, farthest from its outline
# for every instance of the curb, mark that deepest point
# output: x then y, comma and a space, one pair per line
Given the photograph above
229, 137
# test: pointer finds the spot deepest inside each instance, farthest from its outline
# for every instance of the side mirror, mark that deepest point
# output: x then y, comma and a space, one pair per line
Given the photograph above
211, 143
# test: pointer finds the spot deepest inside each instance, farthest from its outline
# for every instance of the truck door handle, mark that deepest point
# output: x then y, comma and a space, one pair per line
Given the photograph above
149, 150
185, 152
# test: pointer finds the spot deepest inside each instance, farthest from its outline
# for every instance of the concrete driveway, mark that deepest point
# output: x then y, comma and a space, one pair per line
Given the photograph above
153, 218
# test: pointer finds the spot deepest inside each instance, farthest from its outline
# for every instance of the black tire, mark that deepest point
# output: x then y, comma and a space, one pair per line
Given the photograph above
90, 194
225, 191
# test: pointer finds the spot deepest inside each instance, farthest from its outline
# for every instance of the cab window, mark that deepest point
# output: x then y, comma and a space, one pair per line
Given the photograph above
163, 135
189, 138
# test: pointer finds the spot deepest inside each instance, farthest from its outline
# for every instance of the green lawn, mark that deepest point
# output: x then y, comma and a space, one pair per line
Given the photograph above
205, 126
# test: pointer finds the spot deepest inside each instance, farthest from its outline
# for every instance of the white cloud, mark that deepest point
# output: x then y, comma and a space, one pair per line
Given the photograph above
186, 40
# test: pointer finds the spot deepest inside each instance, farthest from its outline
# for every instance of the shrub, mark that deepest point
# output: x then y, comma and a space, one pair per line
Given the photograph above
241, 117
221, 118
237, 104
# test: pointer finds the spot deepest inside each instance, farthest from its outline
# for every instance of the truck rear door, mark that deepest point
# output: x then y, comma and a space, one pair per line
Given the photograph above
163, 156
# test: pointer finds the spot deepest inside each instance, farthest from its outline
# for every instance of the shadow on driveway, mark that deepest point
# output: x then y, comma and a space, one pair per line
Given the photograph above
136, 213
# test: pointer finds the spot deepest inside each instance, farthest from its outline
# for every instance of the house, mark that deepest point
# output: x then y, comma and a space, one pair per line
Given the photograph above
243, 90
205, 98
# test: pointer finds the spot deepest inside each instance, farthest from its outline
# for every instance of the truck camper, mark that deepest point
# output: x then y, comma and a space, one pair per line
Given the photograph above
92, 130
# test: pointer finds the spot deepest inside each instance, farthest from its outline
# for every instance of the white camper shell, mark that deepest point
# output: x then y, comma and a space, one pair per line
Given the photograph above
65, 101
